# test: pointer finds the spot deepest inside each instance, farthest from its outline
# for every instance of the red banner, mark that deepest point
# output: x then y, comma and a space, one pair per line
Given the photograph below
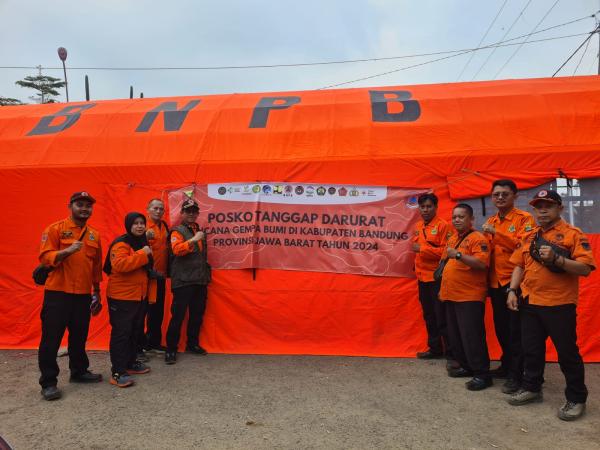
309, 227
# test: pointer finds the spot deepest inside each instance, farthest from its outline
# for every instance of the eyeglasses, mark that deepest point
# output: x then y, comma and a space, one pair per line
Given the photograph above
501, 194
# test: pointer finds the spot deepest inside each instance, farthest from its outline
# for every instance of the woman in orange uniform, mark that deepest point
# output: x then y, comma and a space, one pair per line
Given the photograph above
128, 262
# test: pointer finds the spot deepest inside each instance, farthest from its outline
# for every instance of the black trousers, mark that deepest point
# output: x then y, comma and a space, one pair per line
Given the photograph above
466, 330
155, 316
186, 298
507, 324
140, 340
434, 314
60, 312
559, 323
125, 317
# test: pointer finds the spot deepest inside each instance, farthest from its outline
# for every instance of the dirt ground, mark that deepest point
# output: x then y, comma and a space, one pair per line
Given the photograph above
296, 402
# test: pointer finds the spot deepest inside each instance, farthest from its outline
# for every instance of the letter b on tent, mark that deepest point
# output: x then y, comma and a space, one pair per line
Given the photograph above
379, 106
70, 114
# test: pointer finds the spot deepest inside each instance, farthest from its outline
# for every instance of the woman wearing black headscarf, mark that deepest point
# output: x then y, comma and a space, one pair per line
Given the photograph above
128, 262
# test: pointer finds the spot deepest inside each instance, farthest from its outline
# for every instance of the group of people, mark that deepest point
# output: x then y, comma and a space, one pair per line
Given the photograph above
137, 265
529, 267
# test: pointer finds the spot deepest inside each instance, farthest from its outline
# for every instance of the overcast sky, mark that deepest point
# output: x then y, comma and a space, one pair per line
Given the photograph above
128, 33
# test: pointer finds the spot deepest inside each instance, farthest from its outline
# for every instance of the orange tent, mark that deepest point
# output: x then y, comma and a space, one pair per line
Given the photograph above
454, 138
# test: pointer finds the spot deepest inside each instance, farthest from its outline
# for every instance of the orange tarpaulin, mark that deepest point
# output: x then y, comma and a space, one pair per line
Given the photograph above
454, 138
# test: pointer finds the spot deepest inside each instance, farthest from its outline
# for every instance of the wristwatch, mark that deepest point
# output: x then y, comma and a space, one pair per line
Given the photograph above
458, 255
509, 290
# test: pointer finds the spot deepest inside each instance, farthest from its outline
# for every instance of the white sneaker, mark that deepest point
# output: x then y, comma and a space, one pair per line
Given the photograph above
571, 410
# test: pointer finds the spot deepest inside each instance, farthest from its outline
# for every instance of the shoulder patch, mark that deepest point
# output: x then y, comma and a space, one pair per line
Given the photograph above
528, 227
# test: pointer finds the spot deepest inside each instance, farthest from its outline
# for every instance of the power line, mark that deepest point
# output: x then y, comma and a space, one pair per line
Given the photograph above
576, 50
448, 57
582, 55
482, 39
314, 63
503, 37
520, 46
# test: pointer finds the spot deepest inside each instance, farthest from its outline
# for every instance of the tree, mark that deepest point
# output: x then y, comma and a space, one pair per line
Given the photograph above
45, 86
7, 101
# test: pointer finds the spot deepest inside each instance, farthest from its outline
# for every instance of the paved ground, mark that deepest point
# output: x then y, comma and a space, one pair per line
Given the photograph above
296, 402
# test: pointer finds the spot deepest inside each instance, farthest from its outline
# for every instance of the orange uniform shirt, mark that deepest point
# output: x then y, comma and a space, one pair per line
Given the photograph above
432, 238
77, 273
545, 288
128, 279
510, 231
461, 283
158, 243
180, 246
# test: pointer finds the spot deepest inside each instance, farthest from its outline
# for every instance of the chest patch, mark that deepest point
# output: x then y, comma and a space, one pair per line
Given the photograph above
66, 234
512, 228
433, 231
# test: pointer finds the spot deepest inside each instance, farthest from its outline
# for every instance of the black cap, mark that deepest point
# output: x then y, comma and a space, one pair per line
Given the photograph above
83, 195
190, 204
548, 196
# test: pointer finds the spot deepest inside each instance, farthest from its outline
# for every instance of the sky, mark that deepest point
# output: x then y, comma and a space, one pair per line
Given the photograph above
202, 33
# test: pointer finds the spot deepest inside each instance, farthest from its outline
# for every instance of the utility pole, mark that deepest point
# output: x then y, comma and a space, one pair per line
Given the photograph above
39, 68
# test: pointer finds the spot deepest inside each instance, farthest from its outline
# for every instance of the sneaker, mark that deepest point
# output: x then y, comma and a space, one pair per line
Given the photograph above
523, 397
510, 386
571, 410
51, 393
170, 357
86, 377
138, 368
478, 384
195, 349
121, 380
141, 356
459, 373
156, 349
430, 355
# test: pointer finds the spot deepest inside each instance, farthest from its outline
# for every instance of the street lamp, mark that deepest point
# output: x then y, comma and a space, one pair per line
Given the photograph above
62, 54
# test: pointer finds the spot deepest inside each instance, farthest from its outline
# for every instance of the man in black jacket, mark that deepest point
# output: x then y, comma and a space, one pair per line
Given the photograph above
190, 275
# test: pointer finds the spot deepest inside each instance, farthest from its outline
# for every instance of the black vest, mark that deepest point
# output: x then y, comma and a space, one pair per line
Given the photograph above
189, 269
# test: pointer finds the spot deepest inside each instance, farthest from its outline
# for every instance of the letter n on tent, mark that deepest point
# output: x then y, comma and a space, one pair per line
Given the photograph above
173, 118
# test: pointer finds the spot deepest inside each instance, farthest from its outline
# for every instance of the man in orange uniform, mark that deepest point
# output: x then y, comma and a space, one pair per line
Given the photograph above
547, 268
157, 233
429, 241
72, 248
189, 278
505, 230
464, 288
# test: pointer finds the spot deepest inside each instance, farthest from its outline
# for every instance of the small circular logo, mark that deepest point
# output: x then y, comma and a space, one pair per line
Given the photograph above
542, 194
267, 189
321, 190
256, 188
332, 190
299, 190
412, 202
222, 190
